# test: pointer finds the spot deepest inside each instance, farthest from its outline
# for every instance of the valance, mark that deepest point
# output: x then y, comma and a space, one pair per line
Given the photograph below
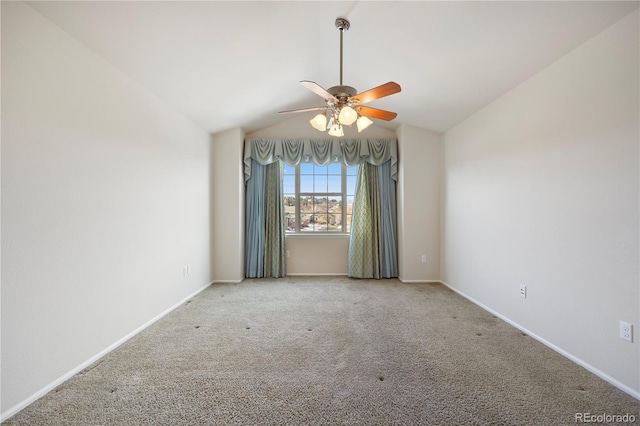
321, 152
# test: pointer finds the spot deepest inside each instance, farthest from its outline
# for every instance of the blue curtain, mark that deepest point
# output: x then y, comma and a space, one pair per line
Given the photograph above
264, 222
255, 222
388, 238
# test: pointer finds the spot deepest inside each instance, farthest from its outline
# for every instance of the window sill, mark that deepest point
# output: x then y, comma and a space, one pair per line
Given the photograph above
336, 235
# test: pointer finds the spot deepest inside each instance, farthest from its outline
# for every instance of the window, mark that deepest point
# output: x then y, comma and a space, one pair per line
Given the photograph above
318, 199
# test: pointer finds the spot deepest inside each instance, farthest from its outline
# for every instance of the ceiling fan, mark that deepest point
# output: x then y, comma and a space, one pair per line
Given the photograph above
344, 105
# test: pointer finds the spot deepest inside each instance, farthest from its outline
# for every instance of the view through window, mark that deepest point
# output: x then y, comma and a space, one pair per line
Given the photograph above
318, 199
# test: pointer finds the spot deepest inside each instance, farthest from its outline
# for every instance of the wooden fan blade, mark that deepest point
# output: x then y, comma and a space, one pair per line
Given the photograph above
315, 88
303, 110
376, 93
376, 113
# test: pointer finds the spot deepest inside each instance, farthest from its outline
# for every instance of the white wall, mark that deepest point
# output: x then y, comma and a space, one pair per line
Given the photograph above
105, 197
227, 206
542, 189
319, 255
419, 187
314, 255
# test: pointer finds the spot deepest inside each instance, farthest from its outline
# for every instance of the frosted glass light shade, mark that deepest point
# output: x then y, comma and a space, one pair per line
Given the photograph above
336, 130
347, 116
363, 123
319, 122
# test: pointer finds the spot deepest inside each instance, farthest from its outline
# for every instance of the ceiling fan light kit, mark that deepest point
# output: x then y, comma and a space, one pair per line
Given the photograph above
362, 123
344, 103
319, 122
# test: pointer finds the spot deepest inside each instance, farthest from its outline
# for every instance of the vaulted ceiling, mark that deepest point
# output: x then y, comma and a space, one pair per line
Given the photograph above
236, 64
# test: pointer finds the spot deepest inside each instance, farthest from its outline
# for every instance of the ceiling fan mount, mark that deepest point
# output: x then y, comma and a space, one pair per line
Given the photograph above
342, 24
344, 103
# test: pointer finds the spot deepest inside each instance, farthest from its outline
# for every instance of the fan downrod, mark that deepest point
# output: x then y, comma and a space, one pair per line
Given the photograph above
341, 24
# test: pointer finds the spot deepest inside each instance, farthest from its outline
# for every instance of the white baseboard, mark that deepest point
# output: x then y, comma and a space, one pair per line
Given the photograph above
318, 274
419, 281
344, 274
39, 394
634, 393
227, 281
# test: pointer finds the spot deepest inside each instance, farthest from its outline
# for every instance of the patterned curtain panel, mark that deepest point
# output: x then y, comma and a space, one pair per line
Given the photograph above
274, 256
372, 243
264, 222
364, 242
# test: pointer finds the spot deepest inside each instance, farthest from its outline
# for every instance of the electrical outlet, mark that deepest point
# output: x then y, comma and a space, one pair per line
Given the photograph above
287, 253
424, 258
626, 331
185, 271
523, 291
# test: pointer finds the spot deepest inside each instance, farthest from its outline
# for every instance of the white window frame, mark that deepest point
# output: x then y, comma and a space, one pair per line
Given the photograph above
339, 195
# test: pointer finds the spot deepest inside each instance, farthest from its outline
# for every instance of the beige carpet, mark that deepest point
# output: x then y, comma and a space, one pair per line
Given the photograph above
330, 351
